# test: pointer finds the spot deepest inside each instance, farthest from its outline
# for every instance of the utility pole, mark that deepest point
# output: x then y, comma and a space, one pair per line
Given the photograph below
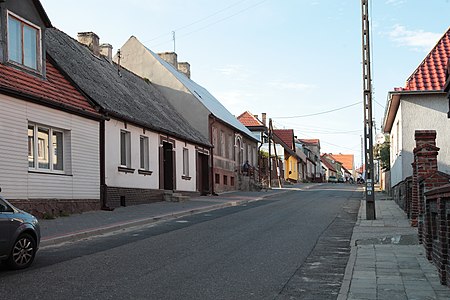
368, 125
173, 39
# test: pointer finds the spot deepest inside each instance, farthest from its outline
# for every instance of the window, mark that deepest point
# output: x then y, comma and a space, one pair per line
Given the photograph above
45, 148
185, 162
144, 154
222, 144
125, 148
24, 41
217, 179
225, 179
232, 181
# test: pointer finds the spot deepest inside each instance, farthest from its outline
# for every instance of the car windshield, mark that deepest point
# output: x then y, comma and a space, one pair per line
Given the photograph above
4, 207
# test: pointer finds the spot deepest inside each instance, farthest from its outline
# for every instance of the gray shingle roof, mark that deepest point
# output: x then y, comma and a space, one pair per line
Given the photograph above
125, 96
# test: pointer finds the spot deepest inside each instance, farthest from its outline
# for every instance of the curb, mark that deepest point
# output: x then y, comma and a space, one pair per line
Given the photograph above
90, 232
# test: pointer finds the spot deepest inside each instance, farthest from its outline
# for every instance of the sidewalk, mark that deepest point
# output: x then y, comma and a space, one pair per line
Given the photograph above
386, 260
79, 226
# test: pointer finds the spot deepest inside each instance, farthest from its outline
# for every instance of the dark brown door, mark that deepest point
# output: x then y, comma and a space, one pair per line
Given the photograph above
168, 166
203, 173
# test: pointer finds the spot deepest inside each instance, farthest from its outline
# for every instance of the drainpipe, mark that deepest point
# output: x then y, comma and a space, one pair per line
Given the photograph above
212, 120
103, 187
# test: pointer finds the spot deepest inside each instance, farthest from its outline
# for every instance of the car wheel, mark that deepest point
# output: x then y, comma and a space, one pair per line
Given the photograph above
23, 252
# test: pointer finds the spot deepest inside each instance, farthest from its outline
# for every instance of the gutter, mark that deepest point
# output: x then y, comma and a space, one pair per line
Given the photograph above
211, 121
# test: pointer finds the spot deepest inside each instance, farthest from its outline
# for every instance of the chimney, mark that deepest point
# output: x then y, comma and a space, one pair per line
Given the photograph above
264, 118
91, 40
170, 57
185, 68
106, 51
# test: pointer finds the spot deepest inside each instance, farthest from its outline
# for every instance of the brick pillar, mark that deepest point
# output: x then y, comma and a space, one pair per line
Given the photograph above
425, 162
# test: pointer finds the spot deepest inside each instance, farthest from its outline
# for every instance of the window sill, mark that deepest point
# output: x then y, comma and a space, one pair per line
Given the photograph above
48, 173
186, 177
125, 170
145, 172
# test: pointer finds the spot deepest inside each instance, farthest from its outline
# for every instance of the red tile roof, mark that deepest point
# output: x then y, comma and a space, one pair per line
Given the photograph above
249, 120
310, 141
286, 135
55, 89
347, 160
430, 75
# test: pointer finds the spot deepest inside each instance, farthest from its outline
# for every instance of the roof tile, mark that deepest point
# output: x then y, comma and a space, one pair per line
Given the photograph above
249, 120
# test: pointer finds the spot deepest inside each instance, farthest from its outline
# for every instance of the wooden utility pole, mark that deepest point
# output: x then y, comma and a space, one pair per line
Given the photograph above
368, 125
276, 156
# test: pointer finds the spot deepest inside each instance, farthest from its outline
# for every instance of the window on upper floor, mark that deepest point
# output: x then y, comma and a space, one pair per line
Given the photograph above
45, 148
24, 42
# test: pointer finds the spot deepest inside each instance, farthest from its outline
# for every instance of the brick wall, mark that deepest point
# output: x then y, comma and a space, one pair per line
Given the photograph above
45, 208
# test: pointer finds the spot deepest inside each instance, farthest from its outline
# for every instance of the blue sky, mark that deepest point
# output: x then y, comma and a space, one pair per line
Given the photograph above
283, 57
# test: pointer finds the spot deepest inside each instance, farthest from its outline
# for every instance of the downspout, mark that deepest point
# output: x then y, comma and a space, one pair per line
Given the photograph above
103, 187
212, 120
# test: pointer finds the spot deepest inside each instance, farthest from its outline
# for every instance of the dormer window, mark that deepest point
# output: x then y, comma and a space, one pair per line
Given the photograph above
24, 42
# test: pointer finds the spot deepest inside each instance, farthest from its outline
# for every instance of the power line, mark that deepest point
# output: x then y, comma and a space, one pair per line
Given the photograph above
319, 113
213, 23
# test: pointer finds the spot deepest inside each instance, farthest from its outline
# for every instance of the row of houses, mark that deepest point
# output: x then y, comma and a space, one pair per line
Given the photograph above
84, 130
301, 160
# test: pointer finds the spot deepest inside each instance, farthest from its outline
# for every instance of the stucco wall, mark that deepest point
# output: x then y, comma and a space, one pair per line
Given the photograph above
420, 113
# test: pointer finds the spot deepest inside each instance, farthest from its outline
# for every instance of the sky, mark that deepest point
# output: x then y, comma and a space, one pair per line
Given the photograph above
299, 61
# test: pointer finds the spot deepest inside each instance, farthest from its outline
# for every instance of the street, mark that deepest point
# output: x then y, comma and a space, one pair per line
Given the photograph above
289, 246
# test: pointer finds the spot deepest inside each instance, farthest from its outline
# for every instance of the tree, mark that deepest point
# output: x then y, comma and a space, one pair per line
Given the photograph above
382, 153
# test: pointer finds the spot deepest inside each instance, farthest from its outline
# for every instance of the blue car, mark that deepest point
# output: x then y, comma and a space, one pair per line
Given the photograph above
19, 236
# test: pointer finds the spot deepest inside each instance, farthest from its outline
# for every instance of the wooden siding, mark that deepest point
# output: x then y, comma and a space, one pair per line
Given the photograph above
82, 178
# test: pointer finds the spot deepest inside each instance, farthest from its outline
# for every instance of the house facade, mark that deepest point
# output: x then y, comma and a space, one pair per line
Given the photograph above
285, 137
148, 150
233, 143
420, 105
312, 150
49, 153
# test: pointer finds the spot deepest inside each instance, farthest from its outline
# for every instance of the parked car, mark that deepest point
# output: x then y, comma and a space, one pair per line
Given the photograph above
341, 180
332, 179
19, 236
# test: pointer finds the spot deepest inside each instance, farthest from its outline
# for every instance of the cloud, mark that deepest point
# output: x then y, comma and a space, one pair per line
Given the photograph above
418, 40
395, 2
284, 85
236, 71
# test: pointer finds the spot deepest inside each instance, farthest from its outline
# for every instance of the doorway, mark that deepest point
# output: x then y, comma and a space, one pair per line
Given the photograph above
203, 173
168, 166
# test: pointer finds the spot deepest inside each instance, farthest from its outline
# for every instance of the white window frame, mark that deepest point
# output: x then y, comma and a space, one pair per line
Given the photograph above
186, 162
50, 150
38, 42
127, 149
144, 154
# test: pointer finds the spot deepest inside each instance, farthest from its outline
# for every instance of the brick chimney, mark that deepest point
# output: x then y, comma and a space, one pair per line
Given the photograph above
425, 162
106, 51
264, 119
91, 40
185, 68
170, 57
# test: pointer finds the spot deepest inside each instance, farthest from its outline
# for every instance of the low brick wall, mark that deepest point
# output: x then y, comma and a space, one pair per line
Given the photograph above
437, 230
48, 208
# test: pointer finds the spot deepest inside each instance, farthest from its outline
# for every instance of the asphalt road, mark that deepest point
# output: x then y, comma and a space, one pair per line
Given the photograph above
293, 246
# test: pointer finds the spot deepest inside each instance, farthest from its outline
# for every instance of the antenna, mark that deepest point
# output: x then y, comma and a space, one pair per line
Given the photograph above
173, 38
119, 56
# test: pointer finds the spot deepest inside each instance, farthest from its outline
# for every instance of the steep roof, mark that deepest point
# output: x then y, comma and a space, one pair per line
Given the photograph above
55, 90
125, 95
203, 95
430, 74
249, 120
287, 136
327, 164
347, 160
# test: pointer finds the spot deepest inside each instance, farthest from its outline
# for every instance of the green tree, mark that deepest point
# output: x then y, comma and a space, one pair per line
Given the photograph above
382, 153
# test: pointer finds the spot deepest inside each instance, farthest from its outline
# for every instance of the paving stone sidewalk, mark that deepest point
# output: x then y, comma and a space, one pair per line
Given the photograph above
386, 260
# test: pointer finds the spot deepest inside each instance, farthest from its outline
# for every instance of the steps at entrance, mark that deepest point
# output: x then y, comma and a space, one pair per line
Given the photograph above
174, 197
